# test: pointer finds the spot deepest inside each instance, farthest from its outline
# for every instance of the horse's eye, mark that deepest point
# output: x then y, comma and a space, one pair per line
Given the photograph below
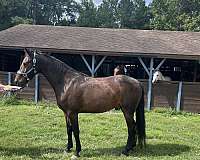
25, 64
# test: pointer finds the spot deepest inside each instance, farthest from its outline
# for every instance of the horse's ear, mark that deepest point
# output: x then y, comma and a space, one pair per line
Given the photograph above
28, 52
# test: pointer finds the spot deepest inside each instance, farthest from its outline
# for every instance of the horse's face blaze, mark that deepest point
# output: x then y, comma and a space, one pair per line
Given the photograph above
155, 77
20, 79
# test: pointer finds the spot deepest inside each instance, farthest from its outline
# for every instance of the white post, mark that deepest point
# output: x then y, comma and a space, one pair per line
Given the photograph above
179, 96
149, 94
144, 66
9, 81
100, 63
161, 63
93, 67
86, 63
36, 88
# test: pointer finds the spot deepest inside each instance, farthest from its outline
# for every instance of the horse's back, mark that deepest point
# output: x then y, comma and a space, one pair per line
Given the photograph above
102, 94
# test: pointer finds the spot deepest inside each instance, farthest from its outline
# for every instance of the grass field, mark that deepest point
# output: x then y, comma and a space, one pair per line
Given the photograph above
38, 132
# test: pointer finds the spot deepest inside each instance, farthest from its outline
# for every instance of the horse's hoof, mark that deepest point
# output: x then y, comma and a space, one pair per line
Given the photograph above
125, 152
74, 157
77, 154
67, 150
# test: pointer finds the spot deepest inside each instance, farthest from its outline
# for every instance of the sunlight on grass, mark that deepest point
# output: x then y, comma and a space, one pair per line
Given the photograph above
28, 131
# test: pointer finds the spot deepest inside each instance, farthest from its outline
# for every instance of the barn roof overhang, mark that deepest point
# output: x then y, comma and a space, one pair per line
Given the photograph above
102, 41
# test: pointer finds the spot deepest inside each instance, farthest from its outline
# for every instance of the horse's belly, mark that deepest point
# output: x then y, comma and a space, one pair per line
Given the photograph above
100, 103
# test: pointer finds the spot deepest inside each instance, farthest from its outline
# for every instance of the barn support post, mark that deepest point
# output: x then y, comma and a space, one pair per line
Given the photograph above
9, 81
149, 94
179, 96
92, 68
144, 66
86, 63
150, 73
160, 64
93, 63
37, 87
100, 63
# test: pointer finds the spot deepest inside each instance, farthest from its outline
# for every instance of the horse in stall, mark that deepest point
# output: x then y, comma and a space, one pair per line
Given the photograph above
78, 93
158, 76
120, 69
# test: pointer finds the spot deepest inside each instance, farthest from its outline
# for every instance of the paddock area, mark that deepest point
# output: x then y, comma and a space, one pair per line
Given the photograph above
30, 131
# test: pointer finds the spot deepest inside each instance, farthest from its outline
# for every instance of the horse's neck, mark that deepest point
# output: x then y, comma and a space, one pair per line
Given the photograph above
165, 78
162, 77
56, 72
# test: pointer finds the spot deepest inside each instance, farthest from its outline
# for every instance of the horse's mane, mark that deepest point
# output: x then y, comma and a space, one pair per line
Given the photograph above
60, 65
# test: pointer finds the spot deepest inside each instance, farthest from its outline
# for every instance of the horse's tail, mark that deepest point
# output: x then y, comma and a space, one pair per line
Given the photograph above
140, 121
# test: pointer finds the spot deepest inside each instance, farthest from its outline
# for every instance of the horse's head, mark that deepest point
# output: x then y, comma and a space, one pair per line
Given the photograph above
27, 68
157, 76
119, 70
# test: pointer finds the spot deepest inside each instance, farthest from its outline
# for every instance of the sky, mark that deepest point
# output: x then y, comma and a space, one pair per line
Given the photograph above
97, 2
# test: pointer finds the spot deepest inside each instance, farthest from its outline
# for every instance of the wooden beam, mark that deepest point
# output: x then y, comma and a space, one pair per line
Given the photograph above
100, 63
86, 63
144, 66
160, 64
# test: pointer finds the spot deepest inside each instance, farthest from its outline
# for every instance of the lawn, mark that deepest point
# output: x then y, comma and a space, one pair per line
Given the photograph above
28, 131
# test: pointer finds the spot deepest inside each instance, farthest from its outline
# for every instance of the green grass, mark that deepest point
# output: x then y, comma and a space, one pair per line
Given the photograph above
28, 131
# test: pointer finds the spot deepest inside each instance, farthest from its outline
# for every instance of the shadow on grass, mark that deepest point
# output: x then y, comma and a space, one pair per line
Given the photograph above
150, 150
33, 152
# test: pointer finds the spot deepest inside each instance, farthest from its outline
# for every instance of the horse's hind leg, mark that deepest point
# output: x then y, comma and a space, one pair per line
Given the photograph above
75, 128
131, 141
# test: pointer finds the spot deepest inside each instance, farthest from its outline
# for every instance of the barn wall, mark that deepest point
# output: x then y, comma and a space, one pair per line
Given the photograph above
164, 93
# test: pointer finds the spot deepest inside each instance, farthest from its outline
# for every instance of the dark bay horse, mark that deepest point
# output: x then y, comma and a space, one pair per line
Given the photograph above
119, 70
78, 93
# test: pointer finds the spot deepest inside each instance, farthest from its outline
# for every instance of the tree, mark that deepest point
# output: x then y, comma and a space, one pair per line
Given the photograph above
87, 14
10, 9
108, 14
181, 15
51, 12
126, 13
133, 14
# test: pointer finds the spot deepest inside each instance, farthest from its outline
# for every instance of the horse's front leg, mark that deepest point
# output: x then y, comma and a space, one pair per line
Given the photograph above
75, 128
69, 133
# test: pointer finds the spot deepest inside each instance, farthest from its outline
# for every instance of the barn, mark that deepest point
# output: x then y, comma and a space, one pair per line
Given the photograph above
97, 51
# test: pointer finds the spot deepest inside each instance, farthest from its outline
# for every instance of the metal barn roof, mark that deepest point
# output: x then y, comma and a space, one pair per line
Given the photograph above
103, 41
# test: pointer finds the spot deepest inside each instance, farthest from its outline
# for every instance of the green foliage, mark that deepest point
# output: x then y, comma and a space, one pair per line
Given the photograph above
171, 112
8, 100
108, 14
133, 14
10, 9
51, 12
181, 15
19, 20
13, 100
87, 14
